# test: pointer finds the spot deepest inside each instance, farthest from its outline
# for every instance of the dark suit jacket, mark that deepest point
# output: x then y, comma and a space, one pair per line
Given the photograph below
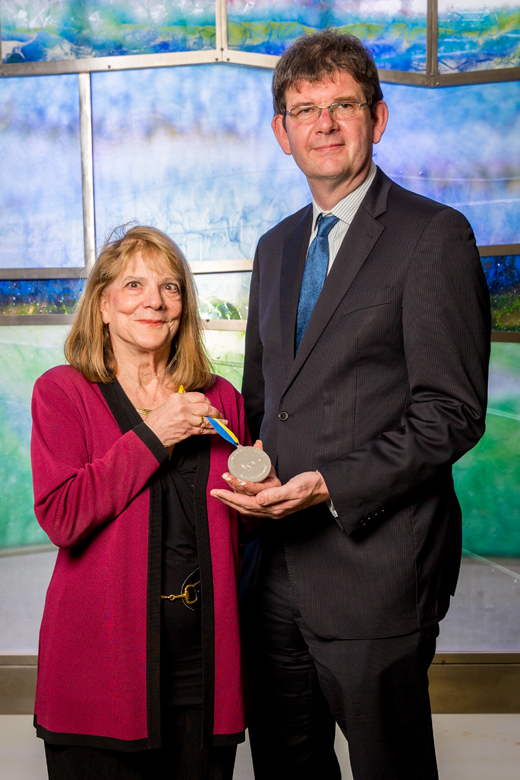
387, 390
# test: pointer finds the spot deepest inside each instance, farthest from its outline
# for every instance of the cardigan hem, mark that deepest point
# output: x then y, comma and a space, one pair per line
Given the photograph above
90, 740
223, 740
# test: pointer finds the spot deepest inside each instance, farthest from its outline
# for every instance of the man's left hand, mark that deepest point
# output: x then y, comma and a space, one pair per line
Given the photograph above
300, 492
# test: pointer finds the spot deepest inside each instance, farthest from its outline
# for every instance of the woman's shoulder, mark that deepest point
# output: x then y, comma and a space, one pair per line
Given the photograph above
222, 388
65, 377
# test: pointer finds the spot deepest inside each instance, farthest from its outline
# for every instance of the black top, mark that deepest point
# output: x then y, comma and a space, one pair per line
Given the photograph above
181, 639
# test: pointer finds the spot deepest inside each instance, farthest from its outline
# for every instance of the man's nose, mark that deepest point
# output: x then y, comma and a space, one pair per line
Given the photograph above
326, 120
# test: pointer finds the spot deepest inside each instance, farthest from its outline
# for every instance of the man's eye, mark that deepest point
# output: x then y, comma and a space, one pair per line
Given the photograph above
346, 107
306, 110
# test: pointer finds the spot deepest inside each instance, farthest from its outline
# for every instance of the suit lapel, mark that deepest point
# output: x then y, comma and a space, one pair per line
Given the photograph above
293, 264
359, 241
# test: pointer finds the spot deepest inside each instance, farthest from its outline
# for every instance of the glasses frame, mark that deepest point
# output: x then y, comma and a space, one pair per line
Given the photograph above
330, 109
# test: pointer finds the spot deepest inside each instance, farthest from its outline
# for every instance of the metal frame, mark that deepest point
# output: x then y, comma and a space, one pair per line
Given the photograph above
221, 54
459, 683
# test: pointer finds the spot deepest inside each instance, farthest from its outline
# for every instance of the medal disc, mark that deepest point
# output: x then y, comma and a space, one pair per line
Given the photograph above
249, 463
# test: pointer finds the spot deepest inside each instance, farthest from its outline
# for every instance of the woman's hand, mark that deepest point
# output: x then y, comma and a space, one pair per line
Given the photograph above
181, 416
252, 488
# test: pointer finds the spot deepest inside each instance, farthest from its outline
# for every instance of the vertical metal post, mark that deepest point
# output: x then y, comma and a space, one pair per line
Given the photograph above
87, 169
221, 28
432, 35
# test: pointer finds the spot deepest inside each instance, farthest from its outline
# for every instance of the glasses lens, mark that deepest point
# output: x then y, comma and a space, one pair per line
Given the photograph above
304, 114
346, 110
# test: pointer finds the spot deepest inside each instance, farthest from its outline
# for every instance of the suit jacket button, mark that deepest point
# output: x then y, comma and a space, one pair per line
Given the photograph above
283, 416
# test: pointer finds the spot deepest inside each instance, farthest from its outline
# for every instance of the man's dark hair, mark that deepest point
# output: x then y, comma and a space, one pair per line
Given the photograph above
314, 57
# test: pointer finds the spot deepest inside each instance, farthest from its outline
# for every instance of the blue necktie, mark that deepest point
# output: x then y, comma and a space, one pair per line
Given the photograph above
314, 274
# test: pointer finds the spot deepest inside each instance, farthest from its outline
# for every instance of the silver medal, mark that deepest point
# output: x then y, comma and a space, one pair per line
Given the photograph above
249, 463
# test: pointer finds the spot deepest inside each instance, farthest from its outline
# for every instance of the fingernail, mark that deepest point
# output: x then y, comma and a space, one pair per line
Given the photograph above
227, 477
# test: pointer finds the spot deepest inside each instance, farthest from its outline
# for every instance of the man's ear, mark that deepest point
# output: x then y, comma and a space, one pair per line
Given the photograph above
379, 120
281, 133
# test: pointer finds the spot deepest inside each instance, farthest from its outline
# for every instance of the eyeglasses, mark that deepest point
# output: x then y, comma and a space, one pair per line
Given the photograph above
307, 115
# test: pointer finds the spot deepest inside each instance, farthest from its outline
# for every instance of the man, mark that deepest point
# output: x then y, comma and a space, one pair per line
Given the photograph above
364, 394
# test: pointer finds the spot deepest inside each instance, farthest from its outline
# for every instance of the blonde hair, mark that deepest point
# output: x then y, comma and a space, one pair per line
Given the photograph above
88, 346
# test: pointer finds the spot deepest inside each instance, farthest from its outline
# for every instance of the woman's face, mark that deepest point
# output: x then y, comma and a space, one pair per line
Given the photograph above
142, 306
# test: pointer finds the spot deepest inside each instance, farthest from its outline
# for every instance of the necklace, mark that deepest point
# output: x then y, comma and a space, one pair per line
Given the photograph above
143, 411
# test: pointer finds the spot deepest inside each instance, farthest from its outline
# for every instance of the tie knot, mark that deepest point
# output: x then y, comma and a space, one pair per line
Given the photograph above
325, 224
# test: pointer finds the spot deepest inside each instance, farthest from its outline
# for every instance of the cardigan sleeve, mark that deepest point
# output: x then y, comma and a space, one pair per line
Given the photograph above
74, 491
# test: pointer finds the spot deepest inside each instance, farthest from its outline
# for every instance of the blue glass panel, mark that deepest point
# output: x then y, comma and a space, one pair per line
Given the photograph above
41, 211
503, 278
39, 296
478, 36
395, 32
460, 146
221, 296
190, 150
41, 30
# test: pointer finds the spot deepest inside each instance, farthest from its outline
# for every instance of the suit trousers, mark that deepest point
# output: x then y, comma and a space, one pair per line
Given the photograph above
301, 684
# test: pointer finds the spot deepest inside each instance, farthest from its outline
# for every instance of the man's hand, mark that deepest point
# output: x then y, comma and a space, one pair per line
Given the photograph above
302, 491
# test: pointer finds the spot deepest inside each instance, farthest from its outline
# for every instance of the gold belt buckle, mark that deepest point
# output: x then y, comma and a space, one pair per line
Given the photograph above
185, 595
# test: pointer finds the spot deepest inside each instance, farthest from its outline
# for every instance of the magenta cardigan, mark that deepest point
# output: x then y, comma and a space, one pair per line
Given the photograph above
96, 497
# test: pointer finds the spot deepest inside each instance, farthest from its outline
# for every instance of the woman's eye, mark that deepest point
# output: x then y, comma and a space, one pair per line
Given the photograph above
133, 285
172, 288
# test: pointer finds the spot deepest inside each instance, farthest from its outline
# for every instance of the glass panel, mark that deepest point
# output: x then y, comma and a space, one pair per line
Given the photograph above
25, 353
503, 278
223, 296
43, 30
203, 165
395, 32
41, 210
226, 350
474, 35
460, 146
40, 296
24, 578
484, 613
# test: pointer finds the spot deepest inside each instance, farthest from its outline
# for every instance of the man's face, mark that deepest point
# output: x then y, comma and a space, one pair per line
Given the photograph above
331, 152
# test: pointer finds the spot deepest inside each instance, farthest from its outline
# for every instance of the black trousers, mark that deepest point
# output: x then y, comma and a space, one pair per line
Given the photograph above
181, 757
301, 684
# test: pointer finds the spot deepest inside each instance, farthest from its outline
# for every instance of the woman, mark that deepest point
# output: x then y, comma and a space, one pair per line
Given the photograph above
139, 660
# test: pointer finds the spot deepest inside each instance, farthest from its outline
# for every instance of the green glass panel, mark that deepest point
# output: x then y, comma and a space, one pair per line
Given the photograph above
223, 296
25, 353
226, 350
487, 478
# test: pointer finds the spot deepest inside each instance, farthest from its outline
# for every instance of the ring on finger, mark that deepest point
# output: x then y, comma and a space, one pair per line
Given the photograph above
201, 424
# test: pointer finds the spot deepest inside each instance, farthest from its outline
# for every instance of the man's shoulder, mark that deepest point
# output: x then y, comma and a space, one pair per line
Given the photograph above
413, 204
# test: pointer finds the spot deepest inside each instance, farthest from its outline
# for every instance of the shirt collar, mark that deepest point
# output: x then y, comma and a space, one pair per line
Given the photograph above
346, 209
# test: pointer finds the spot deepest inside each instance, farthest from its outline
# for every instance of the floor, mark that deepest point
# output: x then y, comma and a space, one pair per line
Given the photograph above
469, 747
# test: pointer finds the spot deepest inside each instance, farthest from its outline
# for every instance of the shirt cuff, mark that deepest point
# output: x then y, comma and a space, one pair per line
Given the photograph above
153, 443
